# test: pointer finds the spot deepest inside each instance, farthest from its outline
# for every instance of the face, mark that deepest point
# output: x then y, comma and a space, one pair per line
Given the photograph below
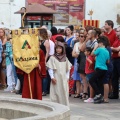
87, 53
82, 37
59, 50
118, 32
107, 27
89, 35
100, 44
77, 36
68, 31
85, 32
1, 33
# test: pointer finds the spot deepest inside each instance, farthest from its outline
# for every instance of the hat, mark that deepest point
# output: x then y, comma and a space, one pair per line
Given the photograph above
71, 27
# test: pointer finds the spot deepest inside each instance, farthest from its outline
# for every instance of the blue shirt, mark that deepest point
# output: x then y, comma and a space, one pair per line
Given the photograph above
102, 55
9, 53
1, 49
69, 41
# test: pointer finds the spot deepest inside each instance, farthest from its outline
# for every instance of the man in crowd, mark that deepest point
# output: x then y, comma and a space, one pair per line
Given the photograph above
116, 63
111, 34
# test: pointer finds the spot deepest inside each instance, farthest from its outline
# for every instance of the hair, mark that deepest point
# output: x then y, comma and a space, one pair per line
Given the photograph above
3, 30
61, 32
49, 33
54, 31
94, 33
60, 39
89, 49
110, 23
9, 37
59, 46
87, 28
104, 40
98, 31
43, 33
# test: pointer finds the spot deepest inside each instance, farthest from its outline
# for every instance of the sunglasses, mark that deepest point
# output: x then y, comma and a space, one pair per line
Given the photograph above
81, 36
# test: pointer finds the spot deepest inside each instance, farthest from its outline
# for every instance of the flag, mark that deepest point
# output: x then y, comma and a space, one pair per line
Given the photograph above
25, 50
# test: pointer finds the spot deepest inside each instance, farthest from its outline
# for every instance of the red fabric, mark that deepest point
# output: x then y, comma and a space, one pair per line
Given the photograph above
71, 82
111, 36
53, 38
89, 69
19, 71
35, 79
115, 45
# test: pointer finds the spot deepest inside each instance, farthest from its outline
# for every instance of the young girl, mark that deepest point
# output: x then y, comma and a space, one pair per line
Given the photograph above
89, 70
58, 68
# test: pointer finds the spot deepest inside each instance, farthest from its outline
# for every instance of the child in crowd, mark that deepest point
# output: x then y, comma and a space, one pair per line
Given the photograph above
102, 58
59, 68
9, 63
89, 70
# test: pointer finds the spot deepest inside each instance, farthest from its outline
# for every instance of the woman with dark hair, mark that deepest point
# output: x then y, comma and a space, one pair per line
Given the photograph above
69, 35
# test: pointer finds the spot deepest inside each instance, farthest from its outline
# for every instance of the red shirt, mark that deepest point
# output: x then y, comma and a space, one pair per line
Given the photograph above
111, 36
116, 44
53, 38
90, 69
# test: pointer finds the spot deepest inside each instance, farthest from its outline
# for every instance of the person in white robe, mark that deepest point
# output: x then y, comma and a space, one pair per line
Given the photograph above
59, 68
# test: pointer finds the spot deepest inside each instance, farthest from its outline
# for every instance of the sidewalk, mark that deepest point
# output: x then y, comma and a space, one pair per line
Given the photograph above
86, 111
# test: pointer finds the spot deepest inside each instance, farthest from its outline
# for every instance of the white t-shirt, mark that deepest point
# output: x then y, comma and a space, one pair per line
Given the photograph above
76, 47
52, 47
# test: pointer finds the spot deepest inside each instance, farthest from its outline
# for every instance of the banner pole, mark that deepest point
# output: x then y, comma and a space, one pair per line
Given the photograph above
30, 86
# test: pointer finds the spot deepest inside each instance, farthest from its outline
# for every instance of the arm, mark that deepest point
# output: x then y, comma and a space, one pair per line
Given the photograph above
115, 49
47, 46
68, 74
90, 62
96, 46
74, 54
51, 73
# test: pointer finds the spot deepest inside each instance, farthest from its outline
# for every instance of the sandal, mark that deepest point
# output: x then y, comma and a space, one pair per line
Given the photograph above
106, 101
85, 96
77, 96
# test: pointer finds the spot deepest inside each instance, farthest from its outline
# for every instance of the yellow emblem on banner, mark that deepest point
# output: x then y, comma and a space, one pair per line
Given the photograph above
25, 49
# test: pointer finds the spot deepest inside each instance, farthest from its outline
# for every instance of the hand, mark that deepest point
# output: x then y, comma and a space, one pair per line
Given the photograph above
37, 66
119, 53
111, 48
53, 81
76, 55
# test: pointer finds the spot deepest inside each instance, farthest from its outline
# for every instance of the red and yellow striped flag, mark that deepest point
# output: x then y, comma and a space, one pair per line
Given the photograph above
94, 23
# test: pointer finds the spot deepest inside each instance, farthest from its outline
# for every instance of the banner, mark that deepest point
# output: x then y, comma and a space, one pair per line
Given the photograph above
70, 11
25, 49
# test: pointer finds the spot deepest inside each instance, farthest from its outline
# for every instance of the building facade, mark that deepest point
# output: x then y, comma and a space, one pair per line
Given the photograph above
102, 10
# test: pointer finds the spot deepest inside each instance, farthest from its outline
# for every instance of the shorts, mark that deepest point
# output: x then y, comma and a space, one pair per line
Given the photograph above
107, 77
88, 76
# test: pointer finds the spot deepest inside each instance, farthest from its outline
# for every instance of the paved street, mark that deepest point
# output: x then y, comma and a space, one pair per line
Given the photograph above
85, 111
